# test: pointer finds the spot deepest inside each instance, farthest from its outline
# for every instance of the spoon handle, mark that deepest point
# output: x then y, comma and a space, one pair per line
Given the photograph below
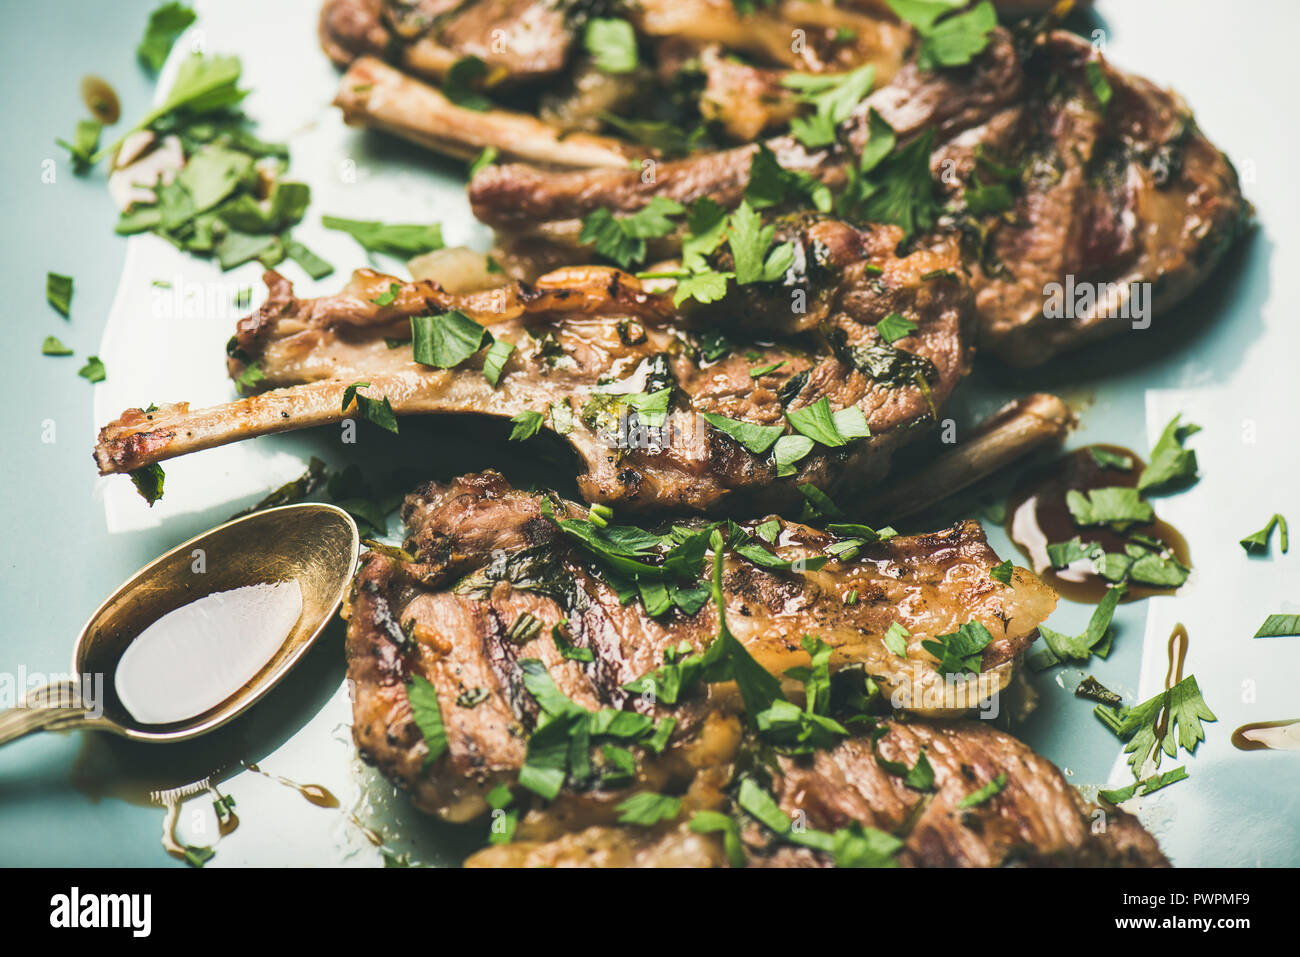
50, 707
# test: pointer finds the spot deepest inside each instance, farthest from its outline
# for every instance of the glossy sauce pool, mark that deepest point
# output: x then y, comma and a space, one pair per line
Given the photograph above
1037, 516
196, 656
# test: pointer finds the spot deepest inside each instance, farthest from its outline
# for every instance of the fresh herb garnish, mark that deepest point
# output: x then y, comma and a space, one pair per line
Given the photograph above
460, 85
1279, 626
83, 146
961, 651
894, 327
483, 160
1258, 541
832, 96
756, 438
1106, 459
1170, 462
53, 346
495, 360
895, 639
622, 239
378, 411
148, 481
611, 44
948, 38
1150, 727
1002, 572
1147, 785
58, 292
646, 808
404, 240
749, 241
166, 23
1116, 506
976, 798
526, 424
93, 370
445, 341
427, 714
1095, 640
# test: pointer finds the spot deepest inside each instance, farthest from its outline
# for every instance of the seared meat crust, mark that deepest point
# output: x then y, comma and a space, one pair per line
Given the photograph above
586, 333
485, 555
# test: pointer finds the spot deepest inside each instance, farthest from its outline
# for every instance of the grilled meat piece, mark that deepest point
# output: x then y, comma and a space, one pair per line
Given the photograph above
1109, 196
520, 41
485, 555
583, 336
1036, 820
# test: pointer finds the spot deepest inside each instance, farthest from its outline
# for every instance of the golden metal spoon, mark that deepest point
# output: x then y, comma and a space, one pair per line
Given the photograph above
313, 544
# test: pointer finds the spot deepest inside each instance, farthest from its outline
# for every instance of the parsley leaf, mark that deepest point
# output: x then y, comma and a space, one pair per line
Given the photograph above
895, 639
446, 340
612, 45
1147, 785
901, 190
710, 822
817, 423
894, 327
832, 96
961, 651
378, 411
1279, 626
427, 714
460, 84
483, 160
1170, 462
58, 292
646, 808
53, 346
495, 360
84, 143
1095, 639
789, 450
1181, 709
1258, 541
148, 481
526, 424
771, 184
405, 240
93, 370
976, 798
1106, 459
1116, 506
947, 39
756, 438
622, 239
1002, 572
166, 23
749, 240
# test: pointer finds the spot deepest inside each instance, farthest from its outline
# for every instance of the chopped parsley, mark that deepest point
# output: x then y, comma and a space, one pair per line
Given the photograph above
1106, 459
495, 360
790, 449
750, 243
622, 239
1100, 86
1146, 785
166, 23
1096, 638
895, 639
148, 481
832, 96
1002, 572
526, 424
404, 240
1180, 709
1258, 541
711, 822
611, 44
483, 160
771, 184
1279, 626
1170, 462
58, 292
378, 411
961, 651
445, 341
93, 370
427, 714
646, 808
756, 438
85, 141
53, 346
894, 327
948, 38
461, 84
1116, 506
976, 798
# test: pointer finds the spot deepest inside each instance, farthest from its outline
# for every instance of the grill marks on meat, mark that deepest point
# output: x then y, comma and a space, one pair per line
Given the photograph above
1037, 820
485, 555
576, 331
1129, 193
1132, 193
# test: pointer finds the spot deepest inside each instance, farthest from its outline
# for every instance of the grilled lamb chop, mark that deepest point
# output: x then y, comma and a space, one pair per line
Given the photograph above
1111, 195
1036, 820
520, 41
484, 556
583, 336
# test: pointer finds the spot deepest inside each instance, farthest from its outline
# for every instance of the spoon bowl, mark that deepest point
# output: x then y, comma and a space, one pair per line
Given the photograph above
313, 544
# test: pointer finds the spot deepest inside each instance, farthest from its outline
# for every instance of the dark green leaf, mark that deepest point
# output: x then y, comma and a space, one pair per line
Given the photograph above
446, 340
